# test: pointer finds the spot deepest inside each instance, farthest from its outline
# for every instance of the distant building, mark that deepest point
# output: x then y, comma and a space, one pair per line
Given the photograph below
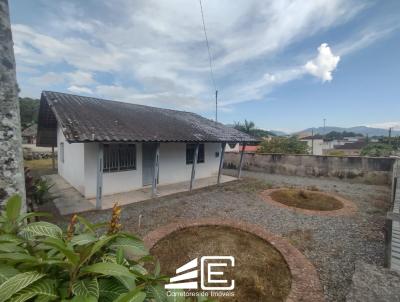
351, 148
29, 135
236, 148
320, 146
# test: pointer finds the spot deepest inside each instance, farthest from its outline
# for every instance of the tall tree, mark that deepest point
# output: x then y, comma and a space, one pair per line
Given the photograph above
12, 178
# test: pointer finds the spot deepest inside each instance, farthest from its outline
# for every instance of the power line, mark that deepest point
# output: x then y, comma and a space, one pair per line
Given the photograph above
210, 62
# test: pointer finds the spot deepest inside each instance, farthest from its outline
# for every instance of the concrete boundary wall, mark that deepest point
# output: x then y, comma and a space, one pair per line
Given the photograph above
369, 170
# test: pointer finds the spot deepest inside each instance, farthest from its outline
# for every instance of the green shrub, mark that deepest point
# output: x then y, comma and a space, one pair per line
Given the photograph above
284, 145
88, 262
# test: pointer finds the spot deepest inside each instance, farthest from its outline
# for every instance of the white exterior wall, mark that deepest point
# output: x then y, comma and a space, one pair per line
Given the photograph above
72, 169
173, 168
113, 182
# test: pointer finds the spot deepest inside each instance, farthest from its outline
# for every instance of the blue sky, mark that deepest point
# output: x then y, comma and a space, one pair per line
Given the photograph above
285, 65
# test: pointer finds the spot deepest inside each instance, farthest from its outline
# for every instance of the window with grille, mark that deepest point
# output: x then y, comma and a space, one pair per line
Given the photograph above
119, 157
190, 149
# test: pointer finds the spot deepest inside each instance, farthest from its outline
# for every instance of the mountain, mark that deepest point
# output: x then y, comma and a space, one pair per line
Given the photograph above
278, 132
364, 130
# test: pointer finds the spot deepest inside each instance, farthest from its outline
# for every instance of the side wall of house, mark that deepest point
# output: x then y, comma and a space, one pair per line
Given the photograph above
113, 182
72, 169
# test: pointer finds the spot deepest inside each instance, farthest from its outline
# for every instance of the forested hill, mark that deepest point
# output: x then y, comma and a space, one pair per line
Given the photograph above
29, 109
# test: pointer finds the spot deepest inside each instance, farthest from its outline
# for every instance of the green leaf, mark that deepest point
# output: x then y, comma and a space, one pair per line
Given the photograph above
157, 292
41, 228
60, 246
110, 289
176, 295
44, 289
17, 257
10, 238
98, 245
131, 247
83, 299
134, 296
13, 207
33, 214
6, 272
157, 268
86, 288
83, 239
16, 283
10, 247
108, 268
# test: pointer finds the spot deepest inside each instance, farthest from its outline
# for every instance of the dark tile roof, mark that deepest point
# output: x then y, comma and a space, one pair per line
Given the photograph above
352, 146
86, 119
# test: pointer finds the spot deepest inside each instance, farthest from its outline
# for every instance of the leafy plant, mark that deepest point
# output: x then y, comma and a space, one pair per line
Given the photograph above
377, 150
39, 261
284, 145
37, 189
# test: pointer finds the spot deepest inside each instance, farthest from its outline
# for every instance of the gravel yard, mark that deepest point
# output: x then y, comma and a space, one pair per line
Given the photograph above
332, 244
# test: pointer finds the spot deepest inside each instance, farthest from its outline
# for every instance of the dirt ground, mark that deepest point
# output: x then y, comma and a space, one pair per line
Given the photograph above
332, 244
260, 273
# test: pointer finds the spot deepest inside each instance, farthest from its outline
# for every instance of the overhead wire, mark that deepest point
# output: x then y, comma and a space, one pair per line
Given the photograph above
210, 61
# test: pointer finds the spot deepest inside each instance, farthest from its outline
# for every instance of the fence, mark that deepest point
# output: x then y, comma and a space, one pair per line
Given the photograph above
392, 234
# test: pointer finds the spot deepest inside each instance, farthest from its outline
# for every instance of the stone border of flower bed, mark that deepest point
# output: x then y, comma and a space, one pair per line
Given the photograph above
349, 207
305, 282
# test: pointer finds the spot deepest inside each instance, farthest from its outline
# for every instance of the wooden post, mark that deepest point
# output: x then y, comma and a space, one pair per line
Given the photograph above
196, 153
221, 161
52, 158
99, 183
155, 172
241, 161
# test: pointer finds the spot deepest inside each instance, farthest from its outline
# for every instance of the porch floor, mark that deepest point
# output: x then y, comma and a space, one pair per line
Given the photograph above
70, 201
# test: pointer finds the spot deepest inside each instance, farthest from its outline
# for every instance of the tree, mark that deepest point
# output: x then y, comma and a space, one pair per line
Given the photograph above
284, 145
377, 150
29, 109
249, 127
11, 158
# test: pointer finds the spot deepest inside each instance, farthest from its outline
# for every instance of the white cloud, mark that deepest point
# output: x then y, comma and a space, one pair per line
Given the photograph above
324, 64
386, 125
80, 89
164, 59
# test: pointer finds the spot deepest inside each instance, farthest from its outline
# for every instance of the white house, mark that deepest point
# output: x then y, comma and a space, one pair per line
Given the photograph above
107, 147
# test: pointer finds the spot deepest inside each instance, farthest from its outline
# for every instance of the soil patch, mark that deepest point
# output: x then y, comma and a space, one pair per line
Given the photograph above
306, 199
260, 273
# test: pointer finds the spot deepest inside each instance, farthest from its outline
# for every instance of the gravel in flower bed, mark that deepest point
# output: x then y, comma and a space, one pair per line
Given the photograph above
332, 244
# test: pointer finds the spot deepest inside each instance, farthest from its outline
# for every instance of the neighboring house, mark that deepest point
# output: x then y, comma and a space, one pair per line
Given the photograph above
29, 135
351, 149
317, 144
107, 147
237, 148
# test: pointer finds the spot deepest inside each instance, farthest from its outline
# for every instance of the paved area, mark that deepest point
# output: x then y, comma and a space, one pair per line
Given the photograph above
332, 244
70, 201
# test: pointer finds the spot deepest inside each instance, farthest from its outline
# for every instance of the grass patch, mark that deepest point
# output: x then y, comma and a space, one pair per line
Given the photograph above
40, 167
260, 272
306, 200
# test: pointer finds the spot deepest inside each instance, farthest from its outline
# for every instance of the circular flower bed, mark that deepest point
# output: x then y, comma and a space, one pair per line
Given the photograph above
267, 267
309, 202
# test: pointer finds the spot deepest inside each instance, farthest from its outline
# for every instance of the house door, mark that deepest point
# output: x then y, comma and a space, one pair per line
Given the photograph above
148, 155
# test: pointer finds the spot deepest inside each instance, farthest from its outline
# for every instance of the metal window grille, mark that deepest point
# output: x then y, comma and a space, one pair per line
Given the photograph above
190, 148
119, 157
